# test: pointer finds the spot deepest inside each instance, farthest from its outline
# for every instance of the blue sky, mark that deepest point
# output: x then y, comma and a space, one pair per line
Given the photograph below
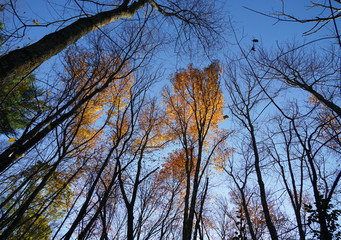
268, 29
253, 24
246, 22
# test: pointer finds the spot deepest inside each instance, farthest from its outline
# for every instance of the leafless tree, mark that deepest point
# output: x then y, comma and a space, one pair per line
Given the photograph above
307, 72
244, 100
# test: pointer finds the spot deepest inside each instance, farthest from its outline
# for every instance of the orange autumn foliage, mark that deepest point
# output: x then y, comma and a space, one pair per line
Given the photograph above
174, 167
194, 108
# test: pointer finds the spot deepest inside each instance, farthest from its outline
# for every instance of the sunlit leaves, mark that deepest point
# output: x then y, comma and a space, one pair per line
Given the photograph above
85, 73
194, 107
174, 166
196, 100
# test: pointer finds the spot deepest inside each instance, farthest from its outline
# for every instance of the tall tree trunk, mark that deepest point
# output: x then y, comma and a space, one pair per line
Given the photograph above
247, 215
199, 216
188, 223
130, 223
21, 61
269, 224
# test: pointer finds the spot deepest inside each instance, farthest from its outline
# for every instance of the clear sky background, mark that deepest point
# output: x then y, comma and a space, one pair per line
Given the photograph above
268, 30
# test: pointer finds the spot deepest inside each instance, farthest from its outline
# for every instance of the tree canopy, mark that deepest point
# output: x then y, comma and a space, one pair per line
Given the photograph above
241, 142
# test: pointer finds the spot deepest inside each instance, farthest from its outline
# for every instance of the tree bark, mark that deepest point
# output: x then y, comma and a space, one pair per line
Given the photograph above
130, 223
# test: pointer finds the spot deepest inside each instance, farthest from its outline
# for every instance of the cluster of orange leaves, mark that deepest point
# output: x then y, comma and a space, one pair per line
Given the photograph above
174, 167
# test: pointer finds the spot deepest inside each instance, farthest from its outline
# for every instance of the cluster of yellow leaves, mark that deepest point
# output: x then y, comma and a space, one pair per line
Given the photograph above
197, 100
88, 75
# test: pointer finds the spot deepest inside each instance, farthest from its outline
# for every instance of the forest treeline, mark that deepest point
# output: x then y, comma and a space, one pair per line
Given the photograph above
246, 147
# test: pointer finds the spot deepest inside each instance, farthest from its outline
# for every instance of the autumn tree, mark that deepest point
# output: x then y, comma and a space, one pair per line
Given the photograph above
77, 143
194, 109
119, 146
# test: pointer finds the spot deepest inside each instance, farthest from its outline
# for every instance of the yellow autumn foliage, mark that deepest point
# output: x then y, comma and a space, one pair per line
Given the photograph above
87, 76
196, 101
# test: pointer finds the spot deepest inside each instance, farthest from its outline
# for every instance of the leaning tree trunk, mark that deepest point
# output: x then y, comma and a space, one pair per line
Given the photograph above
21, 61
